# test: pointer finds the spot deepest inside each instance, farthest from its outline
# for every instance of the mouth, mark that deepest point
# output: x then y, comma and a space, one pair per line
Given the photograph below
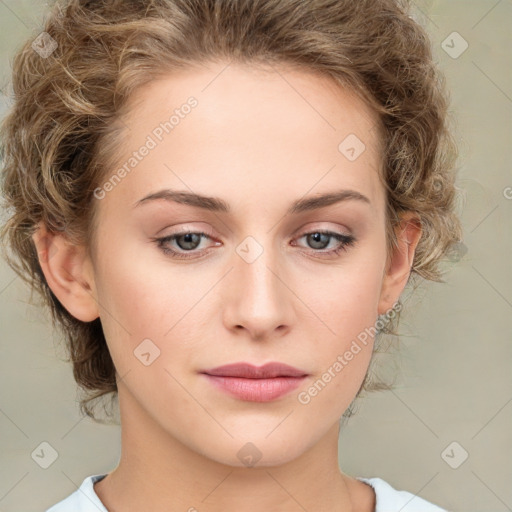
249, 371
256, 384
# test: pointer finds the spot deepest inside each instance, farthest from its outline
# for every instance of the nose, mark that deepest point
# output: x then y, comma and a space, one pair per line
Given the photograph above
258, 298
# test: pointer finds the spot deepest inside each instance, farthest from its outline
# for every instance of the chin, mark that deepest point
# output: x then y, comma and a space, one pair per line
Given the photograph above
255, 451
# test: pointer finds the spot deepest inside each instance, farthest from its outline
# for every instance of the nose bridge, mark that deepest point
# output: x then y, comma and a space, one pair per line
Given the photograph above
259, 299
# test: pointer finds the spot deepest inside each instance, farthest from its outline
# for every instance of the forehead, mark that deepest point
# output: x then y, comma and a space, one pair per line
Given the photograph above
253, 130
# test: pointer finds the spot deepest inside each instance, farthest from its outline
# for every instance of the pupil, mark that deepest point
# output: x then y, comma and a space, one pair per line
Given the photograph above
189, 239
317, 239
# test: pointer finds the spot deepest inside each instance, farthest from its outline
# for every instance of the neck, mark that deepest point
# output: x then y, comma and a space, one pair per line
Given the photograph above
158, 472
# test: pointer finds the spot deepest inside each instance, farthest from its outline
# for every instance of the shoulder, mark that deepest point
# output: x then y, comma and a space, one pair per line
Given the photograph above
389, 499
84, 499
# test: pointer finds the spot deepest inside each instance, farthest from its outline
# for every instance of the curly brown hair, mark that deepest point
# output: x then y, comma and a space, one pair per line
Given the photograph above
59, 139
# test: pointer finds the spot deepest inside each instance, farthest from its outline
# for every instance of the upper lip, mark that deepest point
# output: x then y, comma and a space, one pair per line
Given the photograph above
249, 371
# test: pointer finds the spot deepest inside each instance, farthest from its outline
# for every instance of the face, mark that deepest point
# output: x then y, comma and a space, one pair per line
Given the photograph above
264, 273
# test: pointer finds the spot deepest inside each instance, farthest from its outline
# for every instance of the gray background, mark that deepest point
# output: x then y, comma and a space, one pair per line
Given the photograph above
454, 384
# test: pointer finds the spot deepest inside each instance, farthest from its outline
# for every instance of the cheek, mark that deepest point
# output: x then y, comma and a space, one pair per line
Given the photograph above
143, 298
346, 297
342, 358
173, 305
348, 306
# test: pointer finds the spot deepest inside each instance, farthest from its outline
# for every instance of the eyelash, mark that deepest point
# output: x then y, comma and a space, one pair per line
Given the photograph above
345, 240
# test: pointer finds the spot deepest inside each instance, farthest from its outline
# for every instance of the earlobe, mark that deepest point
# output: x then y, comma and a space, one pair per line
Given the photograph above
400, 263
68, 272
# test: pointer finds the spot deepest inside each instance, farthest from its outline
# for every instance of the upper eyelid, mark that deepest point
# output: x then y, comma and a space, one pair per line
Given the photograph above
300, 233
206, 231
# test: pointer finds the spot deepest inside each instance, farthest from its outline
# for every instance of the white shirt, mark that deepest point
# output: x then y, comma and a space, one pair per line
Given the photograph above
388, 499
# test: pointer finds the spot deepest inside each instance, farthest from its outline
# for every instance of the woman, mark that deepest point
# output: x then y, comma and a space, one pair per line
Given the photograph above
222, 202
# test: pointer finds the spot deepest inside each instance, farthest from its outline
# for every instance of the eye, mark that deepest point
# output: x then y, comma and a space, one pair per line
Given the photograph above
321, 239
187, 241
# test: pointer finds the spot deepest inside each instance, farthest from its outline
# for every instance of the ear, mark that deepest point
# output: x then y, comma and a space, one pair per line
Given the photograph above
400, 261
68, 272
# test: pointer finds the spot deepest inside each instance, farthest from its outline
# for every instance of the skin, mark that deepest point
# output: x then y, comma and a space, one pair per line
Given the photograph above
259, 139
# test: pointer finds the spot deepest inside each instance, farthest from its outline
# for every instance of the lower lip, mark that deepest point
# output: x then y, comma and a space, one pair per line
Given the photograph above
256, 390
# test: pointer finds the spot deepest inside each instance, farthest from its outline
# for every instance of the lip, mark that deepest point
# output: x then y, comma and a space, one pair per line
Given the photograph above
256, 383
249, 371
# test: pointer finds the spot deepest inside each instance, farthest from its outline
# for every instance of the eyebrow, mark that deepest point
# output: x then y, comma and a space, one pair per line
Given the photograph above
215, 204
